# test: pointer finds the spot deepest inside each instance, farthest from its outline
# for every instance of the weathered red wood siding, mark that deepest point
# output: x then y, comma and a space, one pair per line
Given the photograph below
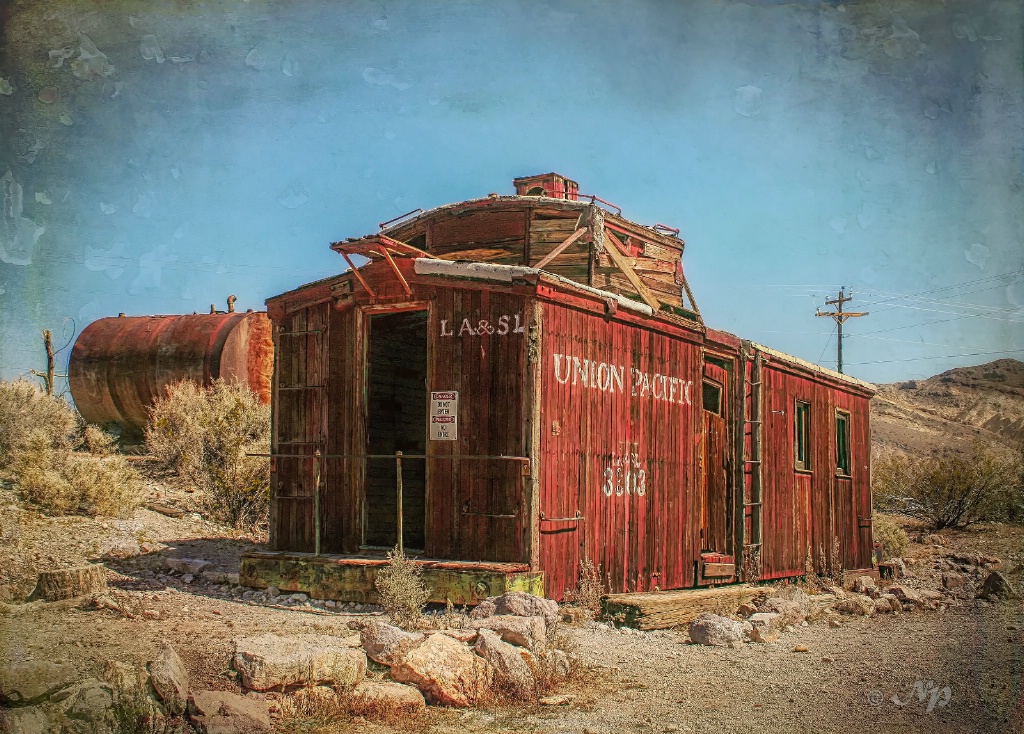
477, 346
804, 509
299, 406
626, 462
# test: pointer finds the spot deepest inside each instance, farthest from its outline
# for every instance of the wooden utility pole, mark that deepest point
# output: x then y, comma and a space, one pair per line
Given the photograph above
840, 316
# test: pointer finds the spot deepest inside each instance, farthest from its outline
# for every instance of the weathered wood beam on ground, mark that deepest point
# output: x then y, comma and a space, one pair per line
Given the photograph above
664, 609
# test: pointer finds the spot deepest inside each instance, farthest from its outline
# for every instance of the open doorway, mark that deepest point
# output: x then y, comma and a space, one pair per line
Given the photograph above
396, 421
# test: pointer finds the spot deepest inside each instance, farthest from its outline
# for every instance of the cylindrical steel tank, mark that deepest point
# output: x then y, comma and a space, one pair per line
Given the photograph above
120, 365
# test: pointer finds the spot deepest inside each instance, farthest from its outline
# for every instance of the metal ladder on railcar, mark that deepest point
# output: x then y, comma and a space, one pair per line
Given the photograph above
752, 418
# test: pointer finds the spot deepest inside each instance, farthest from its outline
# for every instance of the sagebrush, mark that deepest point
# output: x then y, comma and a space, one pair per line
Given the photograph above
206, 435
948, 490
400, 589
30, 416
39, 435
891, 535
586, 597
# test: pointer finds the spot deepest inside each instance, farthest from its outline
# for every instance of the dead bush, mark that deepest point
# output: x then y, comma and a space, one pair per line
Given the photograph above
206, 435
892, 537
98, 441
67, 482
30, 416
948, 490
558, 664
400, 590
584, 602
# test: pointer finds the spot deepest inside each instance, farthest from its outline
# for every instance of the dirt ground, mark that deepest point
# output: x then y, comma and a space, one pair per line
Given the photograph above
888, 673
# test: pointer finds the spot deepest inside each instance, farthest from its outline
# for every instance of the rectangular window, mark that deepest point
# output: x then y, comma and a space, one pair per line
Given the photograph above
712, 397
802, 435
842, 443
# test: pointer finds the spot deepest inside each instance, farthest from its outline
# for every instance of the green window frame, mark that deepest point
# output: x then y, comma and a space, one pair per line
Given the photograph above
842, 443
802, 435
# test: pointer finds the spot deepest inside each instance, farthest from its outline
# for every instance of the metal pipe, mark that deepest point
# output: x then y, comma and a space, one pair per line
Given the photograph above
398, 482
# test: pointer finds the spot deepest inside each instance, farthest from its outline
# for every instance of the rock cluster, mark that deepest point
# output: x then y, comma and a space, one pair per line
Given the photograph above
50, 698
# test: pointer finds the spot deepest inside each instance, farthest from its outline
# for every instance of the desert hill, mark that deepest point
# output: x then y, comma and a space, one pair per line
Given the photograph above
952, 410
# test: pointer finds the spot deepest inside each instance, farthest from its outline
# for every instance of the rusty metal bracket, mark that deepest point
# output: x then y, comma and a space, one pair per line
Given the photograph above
577, 516
400, 217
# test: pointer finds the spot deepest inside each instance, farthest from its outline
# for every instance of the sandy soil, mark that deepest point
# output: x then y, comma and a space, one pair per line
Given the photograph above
857, 677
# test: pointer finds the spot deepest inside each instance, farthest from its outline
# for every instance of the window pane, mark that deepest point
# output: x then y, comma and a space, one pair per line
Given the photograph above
843, 443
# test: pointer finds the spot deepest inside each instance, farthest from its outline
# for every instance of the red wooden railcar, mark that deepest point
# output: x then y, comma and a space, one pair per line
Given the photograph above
542, 367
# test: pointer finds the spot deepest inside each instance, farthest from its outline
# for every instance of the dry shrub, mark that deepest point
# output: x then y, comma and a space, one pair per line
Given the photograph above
584, 602
67, 482
892, 537
558, 664
205, 436
29, 419
316, 710
98, 441
949, 490
400, 590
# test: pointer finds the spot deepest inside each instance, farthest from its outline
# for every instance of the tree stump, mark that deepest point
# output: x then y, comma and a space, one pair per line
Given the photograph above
67, 583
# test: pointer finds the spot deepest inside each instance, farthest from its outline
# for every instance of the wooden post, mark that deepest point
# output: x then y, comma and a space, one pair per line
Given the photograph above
398, 483
316, 502
48, 341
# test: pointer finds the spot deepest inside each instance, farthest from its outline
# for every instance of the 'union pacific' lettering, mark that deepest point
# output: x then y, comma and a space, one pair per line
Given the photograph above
611, 378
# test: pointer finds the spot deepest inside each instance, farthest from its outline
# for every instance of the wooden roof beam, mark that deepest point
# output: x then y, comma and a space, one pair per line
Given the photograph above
611, 246
562, 247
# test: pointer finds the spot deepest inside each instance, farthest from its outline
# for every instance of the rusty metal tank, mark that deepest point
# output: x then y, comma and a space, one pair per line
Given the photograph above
120, 365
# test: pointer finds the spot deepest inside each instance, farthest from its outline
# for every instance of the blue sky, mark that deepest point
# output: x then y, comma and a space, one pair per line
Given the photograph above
161, 159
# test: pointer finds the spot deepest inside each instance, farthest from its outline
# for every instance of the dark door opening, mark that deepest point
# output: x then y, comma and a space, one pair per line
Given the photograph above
396, 421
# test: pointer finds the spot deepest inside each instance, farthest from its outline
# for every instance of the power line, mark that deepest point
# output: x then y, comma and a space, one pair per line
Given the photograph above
944, 356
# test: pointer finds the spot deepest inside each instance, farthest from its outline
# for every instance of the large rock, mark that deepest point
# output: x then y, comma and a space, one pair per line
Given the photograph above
446, 671
528, 632
25, 720
221, 712
88, 706
711, 629
68, 583
856, 604
137, 709
906, 595
271, 661
862, 583
386, 643
377, 699
765, 626
169, 678
22, 684
521, 604
193, 566
513, 666
997, 585
484, 609
886, 603
789, 611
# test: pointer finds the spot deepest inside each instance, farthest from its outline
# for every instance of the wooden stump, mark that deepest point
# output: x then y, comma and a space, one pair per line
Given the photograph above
67, 583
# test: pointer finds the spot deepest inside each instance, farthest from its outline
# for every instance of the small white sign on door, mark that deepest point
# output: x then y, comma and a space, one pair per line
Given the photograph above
444, 416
